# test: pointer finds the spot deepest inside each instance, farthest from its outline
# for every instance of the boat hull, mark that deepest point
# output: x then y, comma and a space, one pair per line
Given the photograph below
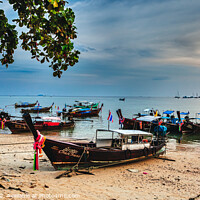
65, 155
21, 127
25, 106
36, 110
90, 113
190, 129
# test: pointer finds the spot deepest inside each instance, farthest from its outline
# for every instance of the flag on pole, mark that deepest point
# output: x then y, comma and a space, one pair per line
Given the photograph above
121, 120
110, 118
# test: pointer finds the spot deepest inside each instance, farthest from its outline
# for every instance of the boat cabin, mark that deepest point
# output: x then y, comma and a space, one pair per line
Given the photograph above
123, 139
48, 121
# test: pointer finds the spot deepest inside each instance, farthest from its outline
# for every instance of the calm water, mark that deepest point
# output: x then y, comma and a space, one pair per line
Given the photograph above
86, 129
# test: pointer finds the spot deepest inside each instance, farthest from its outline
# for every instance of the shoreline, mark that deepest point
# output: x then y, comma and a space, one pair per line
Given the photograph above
149, 179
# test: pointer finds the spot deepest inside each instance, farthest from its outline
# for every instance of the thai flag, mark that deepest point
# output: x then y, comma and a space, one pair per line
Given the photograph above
121, 120
110, 118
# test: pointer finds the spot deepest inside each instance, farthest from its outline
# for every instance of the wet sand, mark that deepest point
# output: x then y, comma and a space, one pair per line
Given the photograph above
150, 179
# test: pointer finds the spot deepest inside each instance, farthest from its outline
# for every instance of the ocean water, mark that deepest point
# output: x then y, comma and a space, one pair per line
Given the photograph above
86, 128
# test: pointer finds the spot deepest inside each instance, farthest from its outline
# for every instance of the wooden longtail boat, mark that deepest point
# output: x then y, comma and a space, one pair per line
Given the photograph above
119, 146
40, 123
85, 104
190, 128
82, 112
37, 109
25, 105
121, 99
145, 123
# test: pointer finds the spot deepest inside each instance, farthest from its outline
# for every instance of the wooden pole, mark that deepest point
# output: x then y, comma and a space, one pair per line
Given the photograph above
108, 121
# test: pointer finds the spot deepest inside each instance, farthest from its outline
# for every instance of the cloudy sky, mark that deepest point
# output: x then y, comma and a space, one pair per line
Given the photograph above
128, 48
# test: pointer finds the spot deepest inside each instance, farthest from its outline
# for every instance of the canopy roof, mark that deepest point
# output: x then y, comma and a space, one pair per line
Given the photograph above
128, 132
132, 132
147, 118
168, 112
184, 113
87, 102
51, 118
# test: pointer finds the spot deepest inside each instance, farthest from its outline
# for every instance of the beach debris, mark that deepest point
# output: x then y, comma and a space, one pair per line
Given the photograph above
165, 159
33, 185
194, 198
145, 173
2, 186
22, 167
133, 170
5, 179
14, 188
73, 172
46, 186
11, 175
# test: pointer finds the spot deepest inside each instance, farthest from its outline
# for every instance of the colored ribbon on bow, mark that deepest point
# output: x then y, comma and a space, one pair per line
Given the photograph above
37, 146
3, 123
180, 126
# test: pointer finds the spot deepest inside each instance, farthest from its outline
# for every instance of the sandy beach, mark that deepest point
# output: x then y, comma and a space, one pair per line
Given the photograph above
149, 179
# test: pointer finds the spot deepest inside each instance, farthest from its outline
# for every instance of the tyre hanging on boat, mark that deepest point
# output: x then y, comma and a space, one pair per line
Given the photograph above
128, 154
146, 151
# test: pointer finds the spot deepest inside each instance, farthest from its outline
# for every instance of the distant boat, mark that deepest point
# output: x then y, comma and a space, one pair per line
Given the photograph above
82, 112
178, 96
37, 109
121, 99
25, 104
86, 104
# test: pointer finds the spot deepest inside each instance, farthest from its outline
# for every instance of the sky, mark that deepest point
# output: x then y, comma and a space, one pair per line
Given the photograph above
128, 48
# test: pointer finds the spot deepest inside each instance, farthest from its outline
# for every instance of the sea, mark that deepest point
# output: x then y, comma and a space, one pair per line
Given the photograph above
86, 128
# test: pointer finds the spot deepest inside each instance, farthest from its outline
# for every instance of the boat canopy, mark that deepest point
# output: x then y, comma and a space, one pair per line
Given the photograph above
87, 102
51, 118
25, 103
126, 132
147, 118
168, 112
132, 132
146, 110
184, 113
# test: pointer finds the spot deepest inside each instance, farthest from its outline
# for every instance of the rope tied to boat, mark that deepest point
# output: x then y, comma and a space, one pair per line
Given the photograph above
76, 165
37, 146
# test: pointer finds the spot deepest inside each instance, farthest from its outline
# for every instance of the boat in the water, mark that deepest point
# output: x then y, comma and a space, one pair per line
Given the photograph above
86, 104
116, 147
81, 112
38, 109
40, 123
190, 126
25, 104
143, 122
122, 99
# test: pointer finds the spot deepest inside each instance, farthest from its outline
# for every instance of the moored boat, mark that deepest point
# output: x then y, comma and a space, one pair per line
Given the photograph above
25, 104
119, 146
38, 109
82, 112
122, 99
86, 104
190, 125
40, 123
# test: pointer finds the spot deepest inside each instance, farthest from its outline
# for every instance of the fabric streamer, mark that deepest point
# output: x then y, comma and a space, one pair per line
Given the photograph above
3, 123
37, 146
